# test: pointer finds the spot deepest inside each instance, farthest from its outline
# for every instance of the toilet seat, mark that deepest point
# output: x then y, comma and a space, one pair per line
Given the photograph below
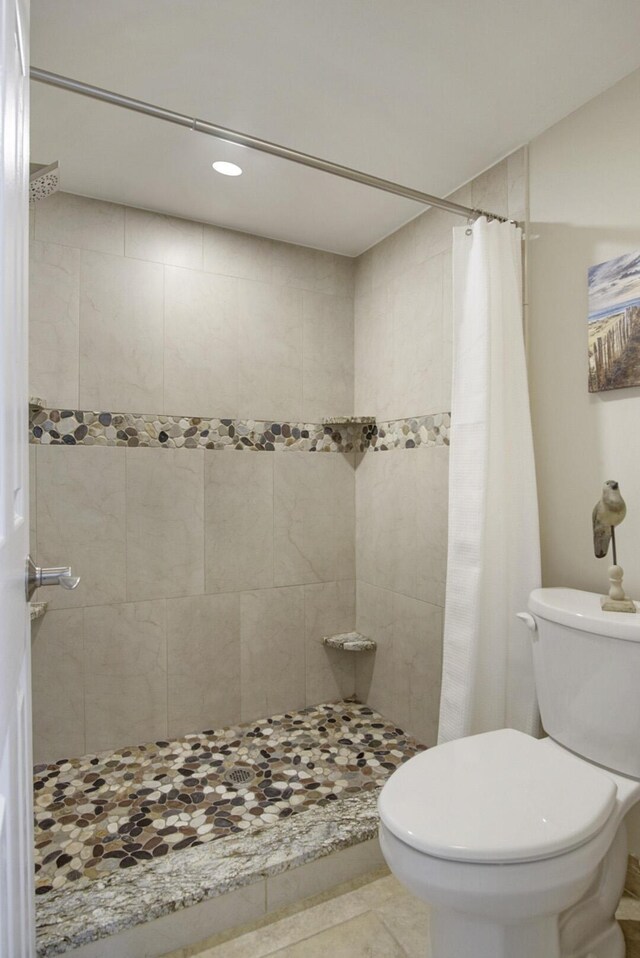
499, 797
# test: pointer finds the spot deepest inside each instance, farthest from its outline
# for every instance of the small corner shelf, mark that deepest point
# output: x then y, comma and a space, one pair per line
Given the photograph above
349, 421
36, 403
37, 610
350, 642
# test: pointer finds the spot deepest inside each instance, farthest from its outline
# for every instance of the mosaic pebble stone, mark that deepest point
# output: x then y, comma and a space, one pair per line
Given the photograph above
74, 427
99, 813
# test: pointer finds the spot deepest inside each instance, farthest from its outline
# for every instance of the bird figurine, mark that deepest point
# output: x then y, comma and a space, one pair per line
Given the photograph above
608, 513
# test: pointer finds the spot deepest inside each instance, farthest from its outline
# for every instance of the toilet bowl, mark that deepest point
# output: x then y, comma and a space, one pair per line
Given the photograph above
519, 844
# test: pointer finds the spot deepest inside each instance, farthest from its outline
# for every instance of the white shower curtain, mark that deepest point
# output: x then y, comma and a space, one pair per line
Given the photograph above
494, 549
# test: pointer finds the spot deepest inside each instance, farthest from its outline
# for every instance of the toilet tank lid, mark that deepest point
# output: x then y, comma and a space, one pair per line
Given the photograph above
496, 797
582, 610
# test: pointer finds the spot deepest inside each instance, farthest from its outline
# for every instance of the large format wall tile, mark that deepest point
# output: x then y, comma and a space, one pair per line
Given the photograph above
125, 674
272, 651
238, 521
57, 677
203, 658
327, 356
312, 269
121, 331
162, 239
402, 680
375, 673
314, 518
415, 305
54, 302
329, 608
269, 351
387, 503
81, 222
230, 253
80, 504
200, 344
165, 522
431, 519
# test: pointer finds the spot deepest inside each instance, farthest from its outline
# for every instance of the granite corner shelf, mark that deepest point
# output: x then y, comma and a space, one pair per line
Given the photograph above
349, 421
36, 403
350, 642
37, 610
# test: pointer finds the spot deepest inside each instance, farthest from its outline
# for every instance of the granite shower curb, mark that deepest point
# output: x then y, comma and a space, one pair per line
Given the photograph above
127, 898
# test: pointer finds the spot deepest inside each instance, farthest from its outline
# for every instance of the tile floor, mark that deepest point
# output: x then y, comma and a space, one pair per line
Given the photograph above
373, 918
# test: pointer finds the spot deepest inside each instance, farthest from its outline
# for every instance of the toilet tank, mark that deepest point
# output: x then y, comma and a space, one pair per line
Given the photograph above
587, 671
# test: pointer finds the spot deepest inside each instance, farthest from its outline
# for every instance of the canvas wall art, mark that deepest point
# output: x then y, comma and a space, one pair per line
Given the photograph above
614, 323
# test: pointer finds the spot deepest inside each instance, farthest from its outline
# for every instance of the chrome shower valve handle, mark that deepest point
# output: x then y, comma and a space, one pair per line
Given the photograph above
55, 575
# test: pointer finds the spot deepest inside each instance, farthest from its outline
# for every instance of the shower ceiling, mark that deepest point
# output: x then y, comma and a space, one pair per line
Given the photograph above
422, 92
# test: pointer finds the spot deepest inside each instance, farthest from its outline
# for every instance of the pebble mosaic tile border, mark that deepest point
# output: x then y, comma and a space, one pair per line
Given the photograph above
117, 810
432, 430
73, 427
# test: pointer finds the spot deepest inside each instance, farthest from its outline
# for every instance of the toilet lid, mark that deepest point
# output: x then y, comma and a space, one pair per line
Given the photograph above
497, 797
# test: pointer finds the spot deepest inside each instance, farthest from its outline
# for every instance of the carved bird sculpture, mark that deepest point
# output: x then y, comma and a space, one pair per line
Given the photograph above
608, 513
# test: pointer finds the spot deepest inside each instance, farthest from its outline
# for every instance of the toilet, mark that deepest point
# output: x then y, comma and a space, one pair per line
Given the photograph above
519, 844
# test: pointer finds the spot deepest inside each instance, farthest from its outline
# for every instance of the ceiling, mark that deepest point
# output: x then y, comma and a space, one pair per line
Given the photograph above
424, 92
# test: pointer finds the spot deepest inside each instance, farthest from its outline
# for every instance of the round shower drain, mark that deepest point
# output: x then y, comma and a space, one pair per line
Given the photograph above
239, 776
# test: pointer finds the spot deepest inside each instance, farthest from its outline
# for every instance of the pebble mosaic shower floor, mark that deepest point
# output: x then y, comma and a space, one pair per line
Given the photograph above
118, 810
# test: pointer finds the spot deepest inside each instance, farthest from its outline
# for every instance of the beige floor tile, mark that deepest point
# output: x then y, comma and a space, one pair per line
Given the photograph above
407, 919
361, 937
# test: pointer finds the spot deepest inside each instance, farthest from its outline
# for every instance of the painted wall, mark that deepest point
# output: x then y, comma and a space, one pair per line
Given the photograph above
403, 336
208, 577
585, 208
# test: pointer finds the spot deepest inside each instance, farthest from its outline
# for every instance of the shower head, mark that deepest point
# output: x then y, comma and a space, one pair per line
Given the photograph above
43, 180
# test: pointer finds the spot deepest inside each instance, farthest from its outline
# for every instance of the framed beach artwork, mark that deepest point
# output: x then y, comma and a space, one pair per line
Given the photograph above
614, 323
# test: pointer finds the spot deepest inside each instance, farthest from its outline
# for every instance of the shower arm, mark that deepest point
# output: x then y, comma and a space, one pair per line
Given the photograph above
254, 143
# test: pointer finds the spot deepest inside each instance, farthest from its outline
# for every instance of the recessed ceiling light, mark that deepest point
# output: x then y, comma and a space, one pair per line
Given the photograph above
227, 169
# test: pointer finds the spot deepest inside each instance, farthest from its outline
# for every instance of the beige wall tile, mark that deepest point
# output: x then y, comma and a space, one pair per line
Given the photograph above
323, 874
125, 674
415, 305
269, 352
230, 253
162, 239
33, 502
238, 520
373, 327
447, 329
375, 672
165, 522
314, 518
329, 608
121, 330
387, 502
82, 222
80, 502
394, 255
489, 190
203, 662
431, 518
517, 184
54, 303
312, 269
402, 680
327, 376
417, 651
200, 344
57, 685
272, 651
434, 228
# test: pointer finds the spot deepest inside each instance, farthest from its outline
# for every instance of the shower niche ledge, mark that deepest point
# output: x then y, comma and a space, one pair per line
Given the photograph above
349, 421
350, 642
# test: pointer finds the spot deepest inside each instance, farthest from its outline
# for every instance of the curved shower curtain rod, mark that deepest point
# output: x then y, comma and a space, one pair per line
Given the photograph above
254, 143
